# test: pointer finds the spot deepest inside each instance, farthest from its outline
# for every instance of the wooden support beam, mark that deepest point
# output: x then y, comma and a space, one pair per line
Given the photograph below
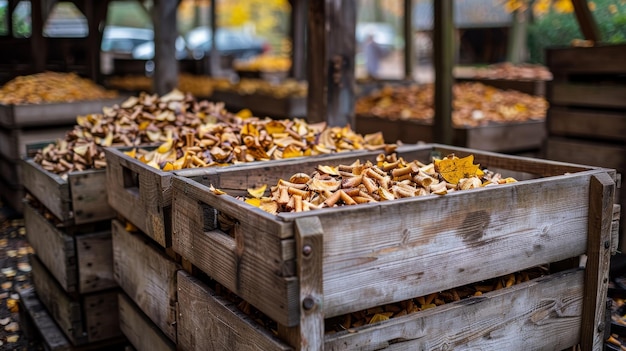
587, 23
443, 55
214, 55
409, 41
38, 45
165, 33
96, 12
331, 51
299, 12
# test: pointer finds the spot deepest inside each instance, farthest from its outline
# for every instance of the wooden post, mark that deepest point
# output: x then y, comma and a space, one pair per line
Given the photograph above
310, 251
409, 53
299, 12
601, 190
331, 48
587, 23
214, 55
38, 46
443, 55
96, 13
165, 33
517, 48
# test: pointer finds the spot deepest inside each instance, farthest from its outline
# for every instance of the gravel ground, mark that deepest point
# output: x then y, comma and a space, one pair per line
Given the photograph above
14, 274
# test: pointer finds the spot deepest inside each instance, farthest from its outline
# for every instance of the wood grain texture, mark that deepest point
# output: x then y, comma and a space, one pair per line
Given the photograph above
599, 59
66, 312
101, 313
581, 151
50, 189
601, 190
89, 197
140, 331
32, 311
209, 322
592, 95
543, 314
11, 171
94, 254
55, 249
147, 276
592, 124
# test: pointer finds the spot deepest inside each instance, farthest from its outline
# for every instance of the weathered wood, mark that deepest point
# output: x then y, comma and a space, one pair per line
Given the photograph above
581, 151
586, 21
546, 221
544, 315
601, 190
317, 64
49, 188
443, 57
50, 114
12, 195
88, 192
594, 124
13, 141
298, 24
165, 79
101, 314
147, 276
615, 239
601, 95
33, 312
140, 331
10, 172
310, 249
207, 321
95, 262
67, 313
602, 59
55, 249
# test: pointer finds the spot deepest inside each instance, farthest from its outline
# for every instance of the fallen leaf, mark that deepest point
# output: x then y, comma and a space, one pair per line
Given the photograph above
8, 272
257, 192
453, 169
378, 318
216, 191
22, 231
13, 338
12, 305
5, 321
12, 253
4, 295
6, 285
12, 327
254, 202
24, 267
4, 242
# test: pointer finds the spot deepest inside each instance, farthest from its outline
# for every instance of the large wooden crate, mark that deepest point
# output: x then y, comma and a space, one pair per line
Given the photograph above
50, 114
80, 198
529, 86
147, 276
263, 105
140, 331
79, 258
299, 268
13, 142
142, 194
87, 319
495, 137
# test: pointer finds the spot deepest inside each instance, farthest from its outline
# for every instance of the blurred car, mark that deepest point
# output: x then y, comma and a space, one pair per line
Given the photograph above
123, 40
145, 51
237, 44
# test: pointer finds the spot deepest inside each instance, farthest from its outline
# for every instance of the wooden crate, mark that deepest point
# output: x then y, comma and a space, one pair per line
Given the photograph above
500, 137
595, 124
80, 259
86, 319
50, 114
546, 315
263, 105
79, 199
142, 194
580, 150
335, 261
527, 86
13, 142
12, 195
147, 276
10, 171
140, 331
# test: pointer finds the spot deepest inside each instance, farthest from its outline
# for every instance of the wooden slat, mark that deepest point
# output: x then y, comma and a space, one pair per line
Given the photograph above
140, 331
67, 313
10, 172
592, 95
602, 59
101, 313
147, 276
209, 322
32, 311
363, 268
95, 262
12, 195
580, 151
55, 249
13, 141
592, 124
89, 197
543, 314
50, 189
601, 190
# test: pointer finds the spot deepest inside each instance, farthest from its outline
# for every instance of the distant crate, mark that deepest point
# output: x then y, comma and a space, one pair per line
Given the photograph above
300, 268
263, 105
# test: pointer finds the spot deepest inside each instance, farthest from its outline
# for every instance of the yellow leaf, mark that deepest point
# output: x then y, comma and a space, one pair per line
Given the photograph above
292, 151
563, 6
245, 113
254, 202
249, 129
378, 318
257, 192
166, 146
453, 169
143, 125
216, 191
168, 167
274, 127
130, 227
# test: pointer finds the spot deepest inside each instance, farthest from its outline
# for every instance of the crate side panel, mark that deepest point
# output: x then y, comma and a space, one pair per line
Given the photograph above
372, 124
147, 276
594, 95
593, 60
209, 322
383, 253
541, 314
578, 151
55, 249
592, 124
89, 196
506, 137
95, 262
13, 143
66, 312
140, 331
12, 195
50, 189
10, 171
101, 313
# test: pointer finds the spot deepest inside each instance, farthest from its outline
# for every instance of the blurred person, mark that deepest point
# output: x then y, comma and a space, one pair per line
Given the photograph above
373, 54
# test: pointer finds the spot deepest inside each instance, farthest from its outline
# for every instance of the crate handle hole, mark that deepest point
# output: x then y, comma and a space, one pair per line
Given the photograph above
131, 181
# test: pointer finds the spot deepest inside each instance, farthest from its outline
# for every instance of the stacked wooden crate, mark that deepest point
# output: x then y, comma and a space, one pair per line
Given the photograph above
586, 120
26, 124
68, 224
299, 269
